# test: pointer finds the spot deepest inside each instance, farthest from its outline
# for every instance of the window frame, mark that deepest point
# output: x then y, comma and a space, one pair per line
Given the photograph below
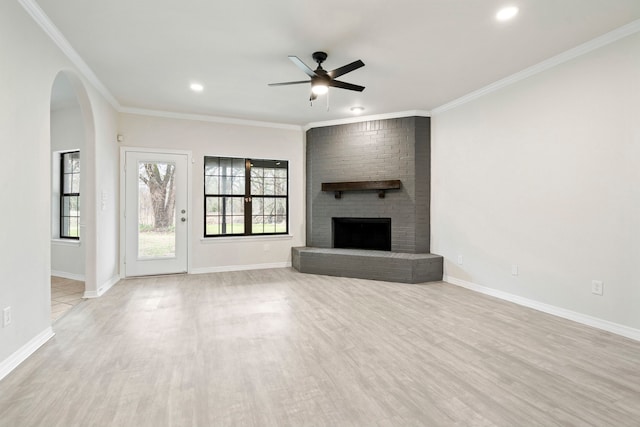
64, 195
247, 196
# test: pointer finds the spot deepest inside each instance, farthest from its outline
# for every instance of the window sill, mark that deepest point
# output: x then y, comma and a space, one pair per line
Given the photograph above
65, 242
207, 240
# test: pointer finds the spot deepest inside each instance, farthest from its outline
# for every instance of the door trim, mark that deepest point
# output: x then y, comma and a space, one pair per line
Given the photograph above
123, 154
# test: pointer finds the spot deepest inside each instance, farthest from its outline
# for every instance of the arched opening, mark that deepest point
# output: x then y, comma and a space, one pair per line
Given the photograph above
72, 195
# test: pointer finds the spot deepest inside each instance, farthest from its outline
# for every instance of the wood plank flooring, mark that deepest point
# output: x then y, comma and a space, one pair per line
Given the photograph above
281, 348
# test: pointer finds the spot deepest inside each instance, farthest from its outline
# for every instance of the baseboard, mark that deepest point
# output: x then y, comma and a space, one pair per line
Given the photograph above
66, 275
240, 267
12, 362
102, 289
584, 319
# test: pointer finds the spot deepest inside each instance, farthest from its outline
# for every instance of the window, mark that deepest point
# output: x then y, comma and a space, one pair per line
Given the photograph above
245, 196
70, 195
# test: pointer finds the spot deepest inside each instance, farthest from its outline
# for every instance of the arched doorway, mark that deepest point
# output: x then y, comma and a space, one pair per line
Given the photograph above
72, 199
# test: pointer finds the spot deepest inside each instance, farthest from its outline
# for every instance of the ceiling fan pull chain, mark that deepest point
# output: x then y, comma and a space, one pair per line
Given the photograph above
328, 100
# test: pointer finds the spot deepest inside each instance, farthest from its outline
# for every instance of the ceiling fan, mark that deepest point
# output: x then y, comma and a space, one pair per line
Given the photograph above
321, 79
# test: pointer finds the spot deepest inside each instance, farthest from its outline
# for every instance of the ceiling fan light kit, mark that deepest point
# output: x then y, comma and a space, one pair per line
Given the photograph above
319, 88
322, 79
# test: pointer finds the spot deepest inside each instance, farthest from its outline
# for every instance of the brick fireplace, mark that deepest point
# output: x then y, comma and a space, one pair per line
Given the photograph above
393, 149
372, 151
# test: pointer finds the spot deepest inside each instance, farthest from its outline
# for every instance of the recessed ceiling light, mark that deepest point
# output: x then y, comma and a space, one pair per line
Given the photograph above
506, 13
357, 110
196, 87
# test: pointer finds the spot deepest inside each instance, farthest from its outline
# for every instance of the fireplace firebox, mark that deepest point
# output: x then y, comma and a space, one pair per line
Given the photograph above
362, 233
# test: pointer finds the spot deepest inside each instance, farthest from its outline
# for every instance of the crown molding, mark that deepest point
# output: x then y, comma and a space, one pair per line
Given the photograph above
385, 116
41, 18
207, 118
38, 15
245, 122
598, 42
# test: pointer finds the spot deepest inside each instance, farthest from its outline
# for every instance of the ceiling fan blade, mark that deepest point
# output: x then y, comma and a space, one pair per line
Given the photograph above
343, 85
346, 69
308, 71
289, 83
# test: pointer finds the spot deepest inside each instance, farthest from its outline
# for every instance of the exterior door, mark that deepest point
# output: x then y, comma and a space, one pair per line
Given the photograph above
156, 216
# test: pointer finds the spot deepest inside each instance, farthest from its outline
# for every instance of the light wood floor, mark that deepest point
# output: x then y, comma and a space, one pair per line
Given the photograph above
280, 348
65, 294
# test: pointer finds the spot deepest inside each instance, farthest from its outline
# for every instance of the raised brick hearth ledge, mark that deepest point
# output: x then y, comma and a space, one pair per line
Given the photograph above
365, 264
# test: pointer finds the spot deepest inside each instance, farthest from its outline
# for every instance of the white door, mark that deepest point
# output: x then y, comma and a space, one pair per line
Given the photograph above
156, 217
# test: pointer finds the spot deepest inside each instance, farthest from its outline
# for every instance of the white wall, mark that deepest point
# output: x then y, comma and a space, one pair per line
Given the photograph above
219, 139
105, 189
30, 63
545, 174
67, 134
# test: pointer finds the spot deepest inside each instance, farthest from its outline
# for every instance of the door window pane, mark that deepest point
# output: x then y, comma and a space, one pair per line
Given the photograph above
156, 210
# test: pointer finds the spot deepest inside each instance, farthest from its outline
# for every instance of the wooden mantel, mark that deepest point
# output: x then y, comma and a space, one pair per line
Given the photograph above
379, 186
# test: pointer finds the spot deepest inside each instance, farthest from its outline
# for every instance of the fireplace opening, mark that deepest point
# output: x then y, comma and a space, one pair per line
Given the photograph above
362, 233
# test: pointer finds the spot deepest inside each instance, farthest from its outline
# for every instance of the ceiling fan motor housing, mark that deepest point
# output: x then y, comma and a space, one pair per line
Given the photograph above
319, 57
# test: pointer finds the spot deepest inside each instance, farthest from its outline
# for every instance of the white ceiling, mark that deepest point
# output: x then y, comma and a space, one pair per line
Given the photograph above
419, 54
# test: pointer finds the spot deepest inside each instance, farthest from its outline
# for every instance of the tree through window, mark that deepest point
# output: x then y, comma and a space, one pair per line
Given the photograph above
245, 196
159, 178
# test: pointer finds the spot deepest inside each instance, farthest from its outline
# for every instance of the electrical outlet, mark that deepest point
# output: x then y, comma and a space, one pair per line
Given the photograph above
514, 269
460, 260
6, 317
597, 287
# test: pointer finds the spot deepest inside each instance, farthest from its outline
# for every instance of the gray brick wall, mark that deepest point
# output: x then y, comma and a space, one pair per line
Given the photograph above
373, 150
